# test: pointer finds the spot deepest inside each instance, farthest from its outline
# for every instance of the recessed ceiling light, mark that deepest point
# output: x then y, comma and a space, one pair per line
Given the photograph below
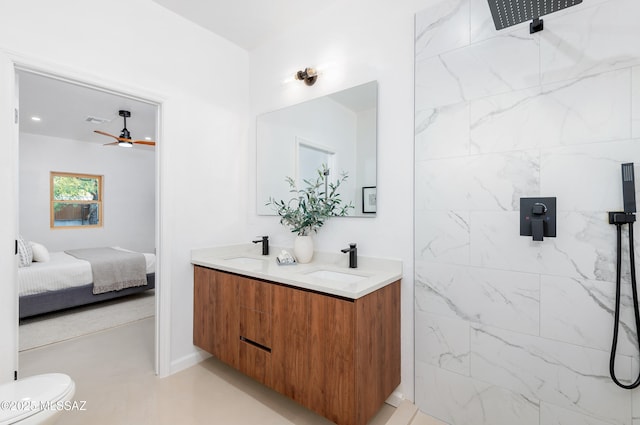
147, 138
34, 118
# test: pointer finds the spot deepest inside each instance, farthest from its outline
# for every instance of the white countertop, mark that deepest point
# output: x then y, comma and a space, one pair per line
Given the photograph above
327, 272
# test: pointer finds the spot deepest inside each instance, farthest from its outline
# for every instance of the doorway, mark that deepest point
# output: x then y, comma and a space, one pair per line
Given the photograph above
58, 120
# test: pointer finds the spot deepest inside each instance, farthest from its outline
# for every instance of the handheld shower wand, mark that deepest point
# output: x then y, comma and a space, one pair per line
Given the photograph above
620, 219
628, 188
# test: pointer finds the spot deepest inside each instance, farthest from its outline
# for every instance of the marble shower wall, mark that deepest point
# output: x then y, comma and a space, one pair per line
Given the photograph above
510, 331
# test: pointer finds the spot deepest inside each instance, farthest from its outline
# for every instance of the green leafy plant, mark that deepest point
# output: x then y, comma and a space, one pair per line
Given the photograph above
311, 207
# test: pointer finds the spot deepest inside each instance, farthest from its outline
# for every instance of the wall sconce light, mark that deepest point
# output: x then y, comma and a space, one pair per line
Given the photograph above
309, 76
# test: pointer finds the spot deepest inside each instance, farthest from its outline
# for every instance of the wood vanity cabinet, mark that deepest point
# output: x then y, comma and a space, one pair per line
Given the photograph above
337, 356
216, 315
254, 299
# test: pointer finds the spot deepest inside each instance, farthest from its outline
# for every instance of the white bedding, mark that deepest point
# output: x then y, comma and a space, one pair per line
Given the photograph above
60, 272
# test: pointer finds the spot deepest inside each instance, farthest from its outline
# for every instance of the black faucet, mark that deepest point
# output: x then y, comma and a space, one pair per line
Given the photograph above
265, 244
353, 255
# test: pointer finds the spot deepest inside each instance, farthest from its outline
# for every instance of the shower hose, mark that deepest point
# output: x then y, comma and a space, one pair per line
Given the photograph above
636, 311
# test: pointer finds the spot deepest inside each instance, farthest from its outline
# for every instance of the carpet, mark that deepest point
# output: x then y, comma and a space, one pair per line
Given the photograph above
60, 326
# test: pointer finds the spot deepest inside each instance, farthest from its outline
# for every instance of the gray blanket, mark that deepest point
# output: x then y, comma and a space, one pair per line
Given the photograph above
113, 269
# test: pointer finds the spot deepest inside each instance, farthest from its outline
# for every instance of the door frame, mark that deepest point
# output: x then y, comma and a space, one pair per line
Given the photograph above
162, 357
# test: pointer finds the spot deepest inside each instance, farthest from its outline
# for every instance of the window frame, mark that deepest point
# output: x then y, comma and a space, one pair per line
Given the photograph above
53, 201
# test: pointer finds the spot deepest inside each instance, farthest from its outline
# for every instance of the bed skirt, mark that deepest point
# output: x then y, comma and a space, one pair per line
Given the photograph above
31, 305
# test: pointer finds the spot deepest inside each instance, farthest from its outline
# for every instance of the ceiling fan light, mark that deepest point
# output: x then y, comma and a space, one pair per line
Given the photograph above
125, 144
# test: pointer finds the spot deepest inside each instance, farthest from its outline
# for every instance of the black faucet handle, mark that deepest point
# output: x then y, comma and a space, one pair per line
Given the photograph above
353, 255
265, 244
352, 246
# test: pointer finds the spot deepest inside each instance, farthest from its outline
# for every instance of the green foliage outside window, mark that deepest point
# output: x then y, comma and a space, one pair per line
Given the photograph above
71, 188
76, 200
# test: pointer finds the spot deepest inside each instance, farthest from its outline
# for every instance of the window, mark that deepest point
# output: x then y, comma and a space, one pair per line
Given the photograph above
76, 200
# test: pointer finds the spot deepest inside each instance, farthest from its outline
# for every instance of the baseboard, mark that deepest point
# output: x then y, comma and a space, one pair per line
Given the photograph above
395, 399
188, 361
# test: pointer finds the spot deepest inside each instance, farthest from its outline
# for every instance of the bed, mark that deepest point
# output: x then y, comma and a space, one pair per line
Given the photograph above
64, 281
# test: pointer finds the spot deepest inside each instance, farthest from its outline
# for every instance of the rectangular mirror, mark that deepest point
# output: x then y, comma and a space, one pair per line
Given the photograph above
339, 130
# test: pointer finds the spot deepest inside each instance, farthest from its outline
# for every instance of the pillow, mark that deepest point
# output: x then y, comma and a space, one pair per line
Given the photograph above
25, 254
40, 252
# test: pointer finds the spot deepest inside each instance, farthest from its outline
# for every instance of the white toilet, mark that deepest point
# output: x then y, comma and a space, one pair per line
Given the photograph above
38, 399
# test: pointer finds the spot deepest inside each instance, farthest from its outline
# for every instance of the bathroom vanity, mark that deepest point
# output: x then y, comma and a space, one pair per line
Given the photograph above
320, 333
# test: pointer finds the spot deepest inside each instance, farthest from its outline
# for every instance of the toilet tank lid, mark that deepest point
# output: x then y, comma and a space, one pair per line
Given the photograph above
26, 397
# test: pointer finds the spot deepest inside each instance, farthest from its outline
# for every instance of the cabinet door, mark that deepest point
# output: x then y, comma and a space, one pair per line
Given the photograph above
377, 349
202, 313
215, 314
226, 328
290, 349
332, 353
254, 298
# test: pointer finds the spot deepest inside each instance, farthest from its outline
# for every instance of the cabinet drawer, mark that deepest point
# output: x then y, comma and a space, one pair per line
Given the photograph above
256, 326
254, 294
255, 362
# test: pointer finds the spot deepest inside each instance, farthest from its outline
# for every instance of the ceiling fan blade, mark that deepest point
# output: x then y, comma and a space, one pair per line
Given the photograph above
111, 144
106, 134
125, 132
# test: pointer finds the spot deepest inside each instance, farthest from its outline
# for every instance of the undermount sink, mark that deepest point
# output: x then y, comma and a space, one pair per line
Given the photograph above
245, 262
336, 276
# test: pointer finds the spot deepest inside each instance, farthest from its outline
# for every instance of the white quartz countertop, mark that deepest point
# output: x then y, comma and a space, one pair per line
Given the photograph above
327, 272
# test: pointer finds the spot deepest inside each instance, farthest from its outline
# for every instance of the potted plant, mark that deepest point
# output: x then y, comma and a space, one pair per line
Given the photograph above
309, 208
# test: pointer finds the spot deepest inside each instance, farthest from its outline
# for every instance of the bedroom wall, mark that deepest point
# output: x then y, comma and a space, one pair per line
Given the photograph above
201, 80
128, 193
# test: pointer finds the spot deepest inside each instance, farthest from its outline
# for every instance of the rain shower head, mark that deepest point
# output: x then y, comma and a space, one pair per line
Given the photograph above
506, 13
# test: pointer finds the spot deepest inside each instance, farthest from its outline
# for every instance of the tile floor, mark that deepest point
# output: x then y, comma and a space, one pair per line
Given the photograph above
113, 371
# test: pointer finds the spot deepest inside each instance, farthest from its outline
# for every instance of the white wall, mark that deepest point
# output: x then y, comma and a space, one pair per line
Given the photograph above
511, 331
137, 46
128, 193
358, 41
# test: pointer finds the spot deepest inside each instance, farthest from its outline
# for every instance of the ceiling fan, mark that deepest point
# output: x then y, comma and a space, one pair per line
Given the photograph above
124, 140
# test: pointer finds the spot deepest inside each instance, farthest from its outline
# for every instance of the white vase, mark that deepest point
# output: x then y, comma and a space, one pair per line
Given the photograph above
303, 248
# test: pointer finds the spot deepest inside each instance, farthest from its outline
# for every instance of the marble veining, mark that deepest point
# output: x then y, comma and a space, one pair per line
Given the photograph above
443, 342
442, 27
493, 66
461, 400
555, 415
559, 373
442, 131
499, 298
586, 249
576, 174
594, 40
443, 236
508, 330
591, 325
585, 110
492, 182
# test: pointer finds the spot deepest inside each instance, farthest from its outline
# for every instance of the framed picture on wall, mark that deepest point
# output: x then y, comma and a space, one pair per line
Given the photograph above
369, 199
